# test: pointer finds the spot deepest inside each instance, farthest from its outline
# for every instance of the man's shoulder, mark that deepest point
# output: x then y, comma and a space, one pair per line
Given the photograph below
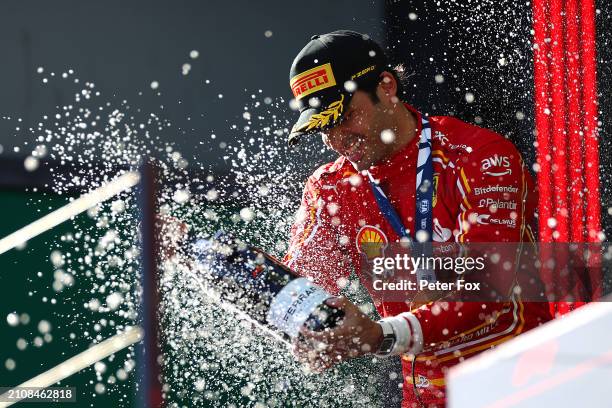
332, 172
460, 138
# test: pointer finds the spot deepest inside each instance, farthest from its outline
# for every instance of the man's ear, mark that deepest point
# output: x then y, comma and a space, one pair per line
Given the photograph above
387, 88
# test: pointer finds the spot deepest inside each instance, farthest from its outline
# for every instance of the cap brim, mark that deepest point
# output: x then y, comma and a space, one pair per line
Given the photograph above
299, 128
332, 115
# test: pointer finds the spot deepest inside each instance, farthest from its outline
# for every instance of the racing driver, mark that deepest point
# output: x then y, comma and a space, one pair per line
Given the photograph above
400, 175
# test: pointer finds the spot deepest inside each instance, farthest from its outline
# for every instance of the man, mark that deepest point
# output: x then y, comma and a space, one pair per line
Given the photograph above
391, 158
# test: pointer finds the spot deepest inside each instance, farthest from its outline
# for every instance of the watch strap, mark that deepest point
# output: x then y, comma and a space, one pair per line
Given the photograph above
407, 331
389, 339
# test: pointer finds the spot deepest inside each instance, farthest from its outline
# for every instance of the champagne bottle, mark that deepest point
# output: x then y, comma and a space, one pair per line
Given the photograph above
261, 287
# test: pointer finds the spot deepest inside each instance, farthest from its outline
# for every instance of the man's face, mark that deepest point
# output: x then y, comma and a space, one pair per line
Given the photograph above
358, 136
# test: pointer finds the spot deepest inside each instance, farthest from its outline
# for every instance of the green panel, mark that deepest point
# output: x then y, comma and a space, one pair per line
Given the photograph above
26, 279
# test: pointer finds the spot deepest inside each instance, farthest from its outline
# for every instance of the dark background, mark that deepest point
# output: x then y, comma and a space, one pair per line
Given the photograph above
123, 46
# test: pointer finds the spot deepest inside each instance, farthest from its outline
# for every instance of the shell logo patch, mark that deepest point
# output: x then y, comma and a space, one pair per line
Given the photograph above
371, 242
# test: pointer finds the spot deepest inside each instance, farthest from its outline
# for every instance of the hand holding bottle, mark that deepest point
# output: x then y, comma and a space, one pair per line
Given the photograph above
354, 336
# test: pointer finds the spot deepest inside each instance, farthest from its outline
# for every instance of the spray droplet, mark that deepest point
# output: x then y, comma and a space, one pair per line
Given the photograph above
44, 327
30, 163
12, 319
387, 136
246, 214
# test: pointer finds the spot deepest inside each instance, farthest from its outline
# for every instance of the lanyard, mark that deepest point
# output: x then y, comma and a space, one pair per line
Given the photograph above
424, 191
424, 197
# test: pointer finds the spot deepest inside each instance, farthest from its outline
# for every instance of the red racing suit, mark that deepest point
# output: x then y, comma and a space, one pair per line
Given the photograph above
472, 167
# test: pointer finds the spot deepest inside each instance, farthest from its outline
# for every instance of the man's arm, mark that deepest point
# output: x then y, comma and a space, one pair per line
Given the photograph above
315, 250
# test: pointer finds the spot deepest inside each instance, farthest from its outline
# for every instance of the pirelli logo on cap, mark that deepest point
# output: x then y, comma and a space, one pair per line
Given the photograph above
313, 80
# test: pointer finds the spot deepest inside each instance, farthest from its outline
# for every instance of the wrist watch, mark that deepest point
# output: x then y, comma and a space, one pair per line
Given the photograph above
389, 338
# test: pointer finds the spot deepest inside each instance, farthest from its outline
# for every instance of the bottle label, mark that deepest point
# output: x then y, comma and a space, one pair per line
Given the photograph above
293, 305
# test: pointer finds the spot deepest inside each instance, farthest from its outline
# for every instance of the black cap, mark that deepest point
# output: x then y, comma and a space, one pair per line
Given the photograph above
325, 74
